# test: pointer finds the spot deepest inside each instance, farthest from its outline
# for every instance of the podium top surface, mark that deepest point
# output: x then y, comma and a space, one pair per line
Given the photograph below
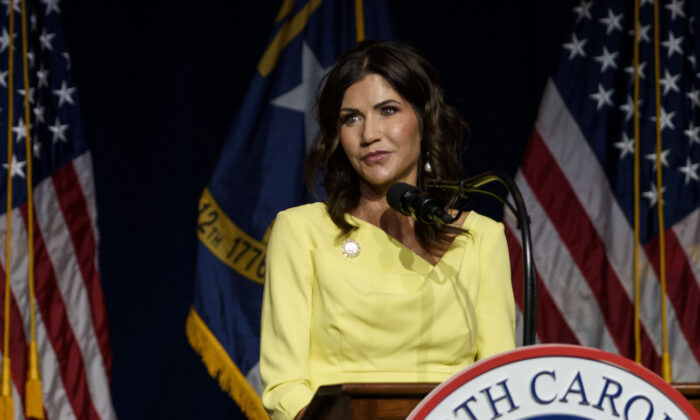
378, 389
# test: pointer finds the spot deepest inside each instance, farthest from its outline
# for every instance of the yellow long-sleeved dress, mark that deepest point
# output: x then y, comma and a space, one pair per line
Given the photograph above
385, 315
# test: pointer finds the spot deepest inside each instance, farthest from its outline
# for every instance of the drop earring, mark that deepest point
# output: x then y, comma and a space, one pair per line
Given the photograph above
428, 168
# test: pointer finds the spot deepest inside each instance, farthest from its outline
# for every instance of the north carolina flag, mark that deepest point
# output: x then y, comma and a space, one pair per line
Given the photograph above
259, 173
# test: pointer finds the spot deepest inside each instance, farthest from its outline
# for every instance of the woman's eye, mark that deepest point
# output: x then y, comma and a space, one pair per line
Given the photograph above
388, 110
350, 118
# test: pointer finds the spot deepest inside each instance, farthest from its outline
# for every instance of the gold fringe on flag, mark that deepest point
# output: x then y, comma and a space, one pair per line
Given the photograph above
6, 403
665, 356
33, 400
637, 326
359, 21
220, 366
285, 35
33, 406
285, 10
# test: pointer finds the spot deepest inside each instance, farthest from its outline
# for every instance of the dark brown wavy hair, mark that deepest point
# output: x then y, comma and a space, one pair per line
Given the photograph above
411, 76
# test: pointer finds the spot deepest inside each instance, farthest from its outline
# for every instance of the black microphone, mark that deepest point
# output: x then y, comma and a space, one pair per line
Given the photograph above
423, 206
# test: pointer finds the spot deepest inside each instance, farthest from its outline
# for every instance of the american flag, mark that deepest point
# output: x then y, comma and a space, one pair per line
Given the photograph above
577, 178
71, 325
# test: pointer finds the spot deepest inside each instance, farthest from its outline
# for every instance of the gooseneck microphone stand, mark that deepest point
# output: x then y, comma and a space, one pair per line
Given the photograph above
472, 185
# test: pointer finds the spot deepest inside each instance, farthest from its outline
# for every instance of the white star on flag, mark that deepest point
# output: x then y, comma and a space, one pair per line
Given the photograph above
612, 21
690, 170
664, 158
642, 33
303, 96
31, 94
640, 70
666, 119
607, 59
20, 130
42, 76
5, 39
66, 56
676, 8
694, 96
3, 80
651, 195
39, 114
693, 133
673, 44
45, 40
59, 131
15, 6
669, 82
583, 10
626, 146
575, 47
603, 97
629, 107
51, 6
36, 147
64, 94
17, 167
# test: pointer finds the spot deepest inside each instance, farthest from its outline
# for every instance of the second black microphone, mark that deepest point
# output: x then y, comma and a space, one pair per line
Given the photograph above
410, 201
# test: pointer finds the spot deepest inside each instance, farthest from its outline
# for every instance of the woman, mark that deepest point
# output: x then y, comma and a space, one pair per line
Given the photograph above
357, 292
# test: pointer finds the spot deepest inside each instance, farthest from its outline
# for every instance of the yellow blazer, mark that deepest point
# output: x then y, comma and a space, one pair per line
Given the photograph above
385, 315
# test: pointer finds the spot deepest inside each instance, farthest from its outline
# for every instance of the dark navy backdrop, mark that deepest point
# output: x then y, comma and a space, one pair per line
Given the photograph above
160, 83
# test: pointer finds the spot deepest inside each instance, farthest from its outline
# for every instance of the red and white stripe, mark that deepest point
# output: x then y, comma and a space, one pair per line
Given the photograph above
688, 233
583, 249
71, 323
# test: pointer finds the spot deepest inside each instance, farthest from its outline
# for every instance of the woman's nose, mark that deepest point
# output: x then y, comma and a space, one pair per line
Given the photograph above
371, 131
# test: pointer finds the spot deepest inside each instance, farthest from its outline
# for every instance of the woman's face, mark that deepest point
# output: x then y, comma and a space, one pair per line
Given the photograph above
380, 134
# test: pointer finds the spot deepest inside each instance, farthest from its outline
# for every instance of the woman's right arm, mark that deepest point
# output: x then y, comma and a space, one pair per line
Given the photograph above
286, 320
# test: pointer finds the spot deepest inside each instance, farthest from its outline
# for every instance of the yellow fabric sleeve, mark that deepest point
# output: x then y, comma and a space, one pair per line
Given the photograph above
495, 307
285, 325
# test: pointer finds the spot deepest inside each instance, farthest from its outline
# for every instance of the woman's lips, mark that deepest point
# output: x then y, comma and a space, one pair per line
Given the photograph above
375, 156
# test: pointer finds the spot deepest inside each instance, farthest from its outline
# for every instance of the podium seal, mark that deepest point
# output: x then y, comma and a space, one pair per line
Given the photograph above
554, 382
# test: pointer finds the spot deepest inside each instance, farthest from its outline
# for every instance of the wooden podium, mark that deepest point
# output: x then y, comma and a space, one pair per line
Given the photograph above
394, 401
691, 391
385, 401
